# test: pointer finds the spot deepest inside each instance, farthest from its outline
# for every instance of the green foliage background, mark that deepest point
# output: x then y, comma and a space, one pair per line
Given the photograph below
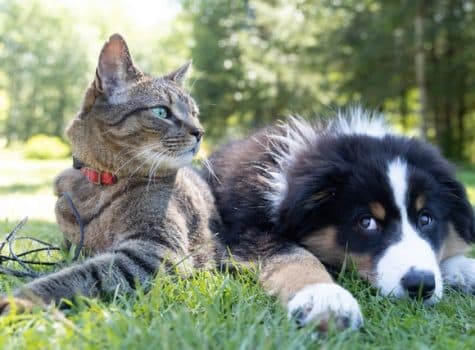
254, 61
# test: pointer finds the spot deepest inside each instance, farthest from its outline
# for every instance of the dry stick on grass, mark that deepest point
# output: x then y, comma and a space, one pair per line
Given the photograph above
26, 271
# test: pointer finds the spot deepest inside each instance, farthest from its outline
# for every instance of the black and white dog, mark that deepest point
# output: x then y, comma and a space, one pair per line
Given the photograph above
298, 198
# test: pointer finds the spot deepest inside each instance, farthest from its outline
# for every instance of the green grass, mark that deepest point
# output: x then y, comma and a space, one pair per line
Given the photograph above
207, 310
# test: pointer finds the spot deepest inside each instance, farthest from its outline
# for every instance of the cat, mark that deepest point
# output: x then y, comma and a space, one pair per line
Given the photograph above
143, 210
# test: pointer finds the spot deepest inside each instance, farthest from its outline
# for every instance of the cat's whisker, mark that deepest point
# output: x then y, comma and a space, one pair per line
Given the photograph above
147, 160
205, 161
174, 144
157, 160
193, 84
151, 175
152, 169
174, 139
207, 164
127, 152
139, 154
178, 148
134, 157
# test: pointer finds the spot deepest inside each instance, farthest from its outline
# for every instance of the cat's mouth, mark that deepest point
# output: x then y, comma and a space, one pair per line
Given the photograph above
190, 151
196, 148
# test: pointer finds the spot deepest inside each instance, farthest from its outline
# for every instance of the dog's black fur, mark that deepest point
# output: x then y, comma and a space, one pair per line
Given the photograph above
348, 170
334, 190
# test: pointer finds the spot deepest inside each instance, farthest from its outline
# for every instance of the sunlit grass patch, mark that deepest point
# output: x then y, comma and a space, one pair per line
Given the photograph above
224, 311
26, 186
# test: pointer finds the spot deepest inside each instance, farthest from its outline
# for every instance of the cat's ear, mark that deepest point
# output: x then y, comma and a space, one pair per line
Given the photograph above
179, 75
115, 69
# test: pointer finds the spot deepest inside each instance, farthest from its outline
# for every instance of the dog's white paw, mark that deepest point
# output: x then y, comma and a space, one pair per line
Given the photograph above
459, 272
325, 302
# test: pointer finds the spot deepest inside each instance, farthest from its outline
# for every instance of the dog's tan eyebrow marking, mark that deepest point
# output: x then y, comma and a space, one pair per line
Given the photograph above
420, 202
378, 210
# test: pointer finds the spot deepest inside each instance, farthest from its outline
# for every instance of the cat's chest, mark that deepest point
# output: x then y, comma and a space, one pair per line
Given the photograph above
110, 213
106, 212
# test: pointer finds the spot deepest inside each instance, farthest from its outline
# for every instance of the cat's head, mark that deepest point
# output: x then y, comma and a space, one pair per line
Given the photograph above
132, 123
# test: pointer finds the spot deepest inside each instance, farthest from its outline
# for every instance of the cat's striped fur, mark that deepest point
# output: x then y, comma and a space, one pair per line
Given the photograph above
159, 215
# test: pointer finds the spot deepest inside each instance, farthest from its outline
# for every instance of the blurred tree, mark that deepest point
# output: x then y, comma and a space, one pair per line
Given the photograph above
374, 52
255, 60
390, 49
259, 59
451, 73
216, 53
45, 63
420, 65
252, 62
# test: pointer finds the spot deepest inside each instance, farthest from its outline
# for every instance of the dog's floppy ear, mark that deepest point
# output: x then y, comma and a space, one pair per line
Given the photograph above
454, 197
461, 212
307, 192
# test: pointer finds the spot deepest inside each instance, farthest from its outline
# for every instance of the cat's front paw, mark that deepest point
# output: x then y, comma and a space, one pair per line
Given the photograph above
459, 272
16, 305
323, 303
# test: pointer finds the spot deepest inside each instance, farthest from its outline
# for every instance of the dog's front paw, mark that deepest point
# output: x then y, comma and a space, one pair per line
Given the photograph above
459, 272
322, 303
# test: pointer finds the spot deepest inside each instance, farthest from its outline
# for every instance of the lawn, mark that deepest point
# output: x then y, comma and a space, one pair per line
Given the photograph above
206, 311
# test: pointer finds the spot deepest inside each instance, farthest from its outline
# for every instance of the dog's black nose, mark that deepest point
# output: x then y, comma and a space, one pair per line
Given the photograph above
419, 284
198, 133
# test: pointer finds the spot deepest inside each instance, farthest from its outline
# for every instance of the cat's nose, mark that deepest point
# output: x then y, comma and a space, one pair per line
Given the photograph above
198, 133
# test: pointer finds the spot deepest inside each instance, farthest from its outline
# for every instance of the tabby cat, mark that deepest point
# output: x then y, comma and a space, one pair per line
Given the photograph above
142, 209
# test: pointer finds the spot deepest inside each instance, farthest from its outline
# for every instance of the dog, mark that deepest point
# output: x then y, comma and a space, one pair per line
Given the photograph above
301, 199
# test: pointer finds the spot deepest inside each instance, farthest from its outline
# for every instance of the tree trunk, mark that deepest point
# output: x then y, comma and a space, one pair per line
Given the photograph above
420, 66
403, 108
450, 82
461, 110
399, 47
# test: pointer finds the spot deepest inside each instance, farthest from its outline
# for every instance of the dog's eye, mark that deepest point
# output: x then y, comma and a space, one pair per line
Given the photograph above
368, 223
424, 220
161, 112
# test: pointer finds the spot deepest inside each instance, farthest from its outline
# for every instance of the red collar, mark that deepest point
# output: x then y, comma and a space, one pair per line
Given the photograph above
99, 177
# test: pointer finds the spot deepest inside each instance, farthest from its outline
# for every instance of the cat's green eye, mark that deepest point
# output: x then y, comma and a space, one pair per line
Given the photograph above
160, 112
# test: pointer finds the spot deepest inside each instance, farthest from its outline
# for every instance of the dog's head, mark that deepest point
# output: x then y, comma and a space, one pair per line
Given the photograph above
389, 204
